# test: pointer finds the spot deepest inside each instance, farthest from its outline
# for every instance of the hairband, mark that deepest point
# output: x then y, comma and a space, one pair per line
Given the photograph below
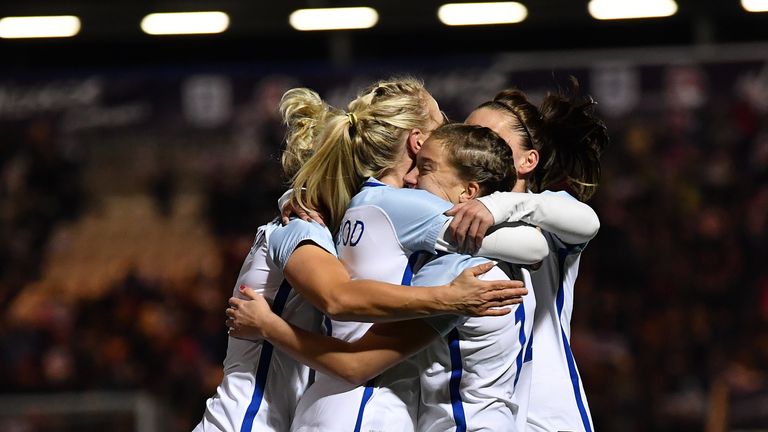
519, 120
352, 119
525, 127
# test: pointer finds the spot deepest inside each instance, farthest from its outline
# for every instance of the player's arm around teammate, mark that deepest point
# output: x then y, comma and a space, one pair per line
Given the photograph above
324, 281
385, 344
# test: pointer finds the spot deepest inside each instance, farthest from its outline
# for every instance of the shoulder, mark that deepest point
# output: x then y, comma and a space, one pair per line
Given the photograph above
444, 268
286, 238
561, 193
392, 199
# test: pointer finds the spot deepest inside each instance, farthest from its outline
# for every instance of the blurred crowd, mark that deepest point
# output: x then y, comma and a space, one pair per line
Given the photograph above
671, 312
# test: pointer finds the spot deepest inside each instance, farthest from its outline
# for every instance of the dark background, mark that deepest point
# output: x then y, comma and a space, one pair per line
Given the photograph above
134, 171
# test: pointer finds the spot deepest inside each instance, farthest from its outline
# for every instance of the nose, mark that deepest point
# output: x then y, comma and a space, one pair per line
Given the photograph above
411, 178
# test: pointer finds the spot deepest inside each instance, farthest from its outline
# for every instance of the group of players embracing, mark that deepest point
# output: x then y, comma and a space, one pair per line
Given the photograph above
371, 305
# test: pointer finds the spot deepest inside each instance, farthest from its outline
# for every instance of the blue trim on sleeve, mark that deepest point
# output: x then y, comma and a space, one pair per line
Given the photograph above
408, 272
262, 370
372, 184
562, 253
455, 383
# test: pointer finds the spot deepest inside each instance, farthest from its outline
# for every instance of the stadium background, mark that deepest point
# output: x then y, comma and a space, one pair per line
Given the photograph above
134, 171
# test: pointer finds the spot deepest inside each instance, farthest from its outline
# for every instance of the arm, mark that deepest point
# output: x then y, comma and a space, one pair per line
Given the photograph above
323, 280
383, 346
571, 220
511, 242
568, 218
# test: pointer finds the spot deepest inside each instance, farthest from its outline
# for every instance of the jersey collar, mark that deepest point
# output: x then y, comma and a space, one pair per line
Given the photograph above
372, 182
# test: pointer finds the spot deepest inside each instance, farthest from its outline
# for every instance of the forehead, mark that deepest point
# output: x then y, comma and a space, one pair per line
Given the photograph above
488, 117
431, 149
495, 120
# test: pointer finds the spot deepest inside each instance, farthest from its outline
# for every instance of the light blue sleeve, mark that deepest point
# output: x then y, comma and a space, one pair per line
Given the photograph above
442, 270
284, 240
417, 216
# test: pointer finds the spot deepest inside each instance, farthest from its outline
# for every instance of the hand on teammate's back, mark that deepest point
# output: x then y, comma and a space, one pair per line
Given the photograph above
475, 297
293, 208
471, 220
249, 318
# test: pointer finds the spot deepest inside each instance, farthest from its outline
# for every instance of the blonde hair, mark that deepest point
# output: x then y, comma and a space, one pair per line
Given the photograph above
303, 113
364, 142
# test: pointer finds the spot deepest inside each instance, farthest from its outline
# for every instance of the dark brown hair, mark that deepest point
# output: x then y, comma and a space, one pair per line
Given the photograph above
566, 134
478, 154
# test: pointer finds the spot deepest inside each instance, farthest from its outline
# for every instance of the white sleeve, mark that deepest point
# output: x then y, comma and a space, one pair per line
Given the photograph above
283, 200
559, 213
512, 242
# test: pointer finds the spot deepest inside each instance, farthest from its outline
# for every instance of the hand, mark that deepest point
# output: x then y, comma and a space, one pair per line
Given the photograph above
470, 222
249, 319
475, 297
292, 207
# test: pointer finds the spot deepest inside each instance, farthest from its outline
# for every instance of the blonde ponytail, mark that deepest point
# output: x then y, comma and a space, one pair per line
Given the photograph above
303, 113
364, 142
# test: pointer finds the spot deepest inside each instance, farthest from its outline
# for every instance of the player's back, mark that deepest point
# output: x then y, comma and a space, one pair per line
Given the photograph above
261, 386
379, 233
558, 401
475, 377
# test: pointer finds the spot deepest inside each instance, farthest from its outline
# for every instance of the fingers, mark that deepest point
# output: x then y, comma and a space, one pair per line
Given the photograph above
508, 293
482, 268
230, 323
455, 209
303, 215
235, 302
495, 312
458, 229
474, 238
315, 216
251, 294
230, 312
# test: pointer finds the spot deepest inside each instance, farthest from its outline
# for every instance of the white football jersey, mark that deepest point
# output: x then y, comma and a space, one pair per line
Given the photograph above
558, 401
475, 377
262, 386
379, 234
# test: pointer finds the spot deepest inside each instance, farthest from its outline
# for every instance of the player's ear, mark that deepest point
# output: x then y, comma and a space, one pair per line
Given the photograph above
415, 140
528, 161
471, 191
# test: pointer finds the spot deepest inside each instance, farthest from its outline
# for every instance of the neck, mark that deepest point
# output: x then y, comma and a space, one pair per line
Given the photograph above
521, 185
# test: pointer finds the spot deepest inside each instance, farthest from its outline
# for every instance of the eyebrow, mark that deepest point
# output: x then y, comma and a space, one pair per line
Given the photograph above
426, 159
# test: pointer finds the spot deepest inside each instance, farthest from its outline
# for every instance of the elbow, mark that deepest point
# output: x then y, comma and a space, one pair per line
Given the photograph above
539, 249
332, 308
355, 372
592, 226
337, 308
355, 376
